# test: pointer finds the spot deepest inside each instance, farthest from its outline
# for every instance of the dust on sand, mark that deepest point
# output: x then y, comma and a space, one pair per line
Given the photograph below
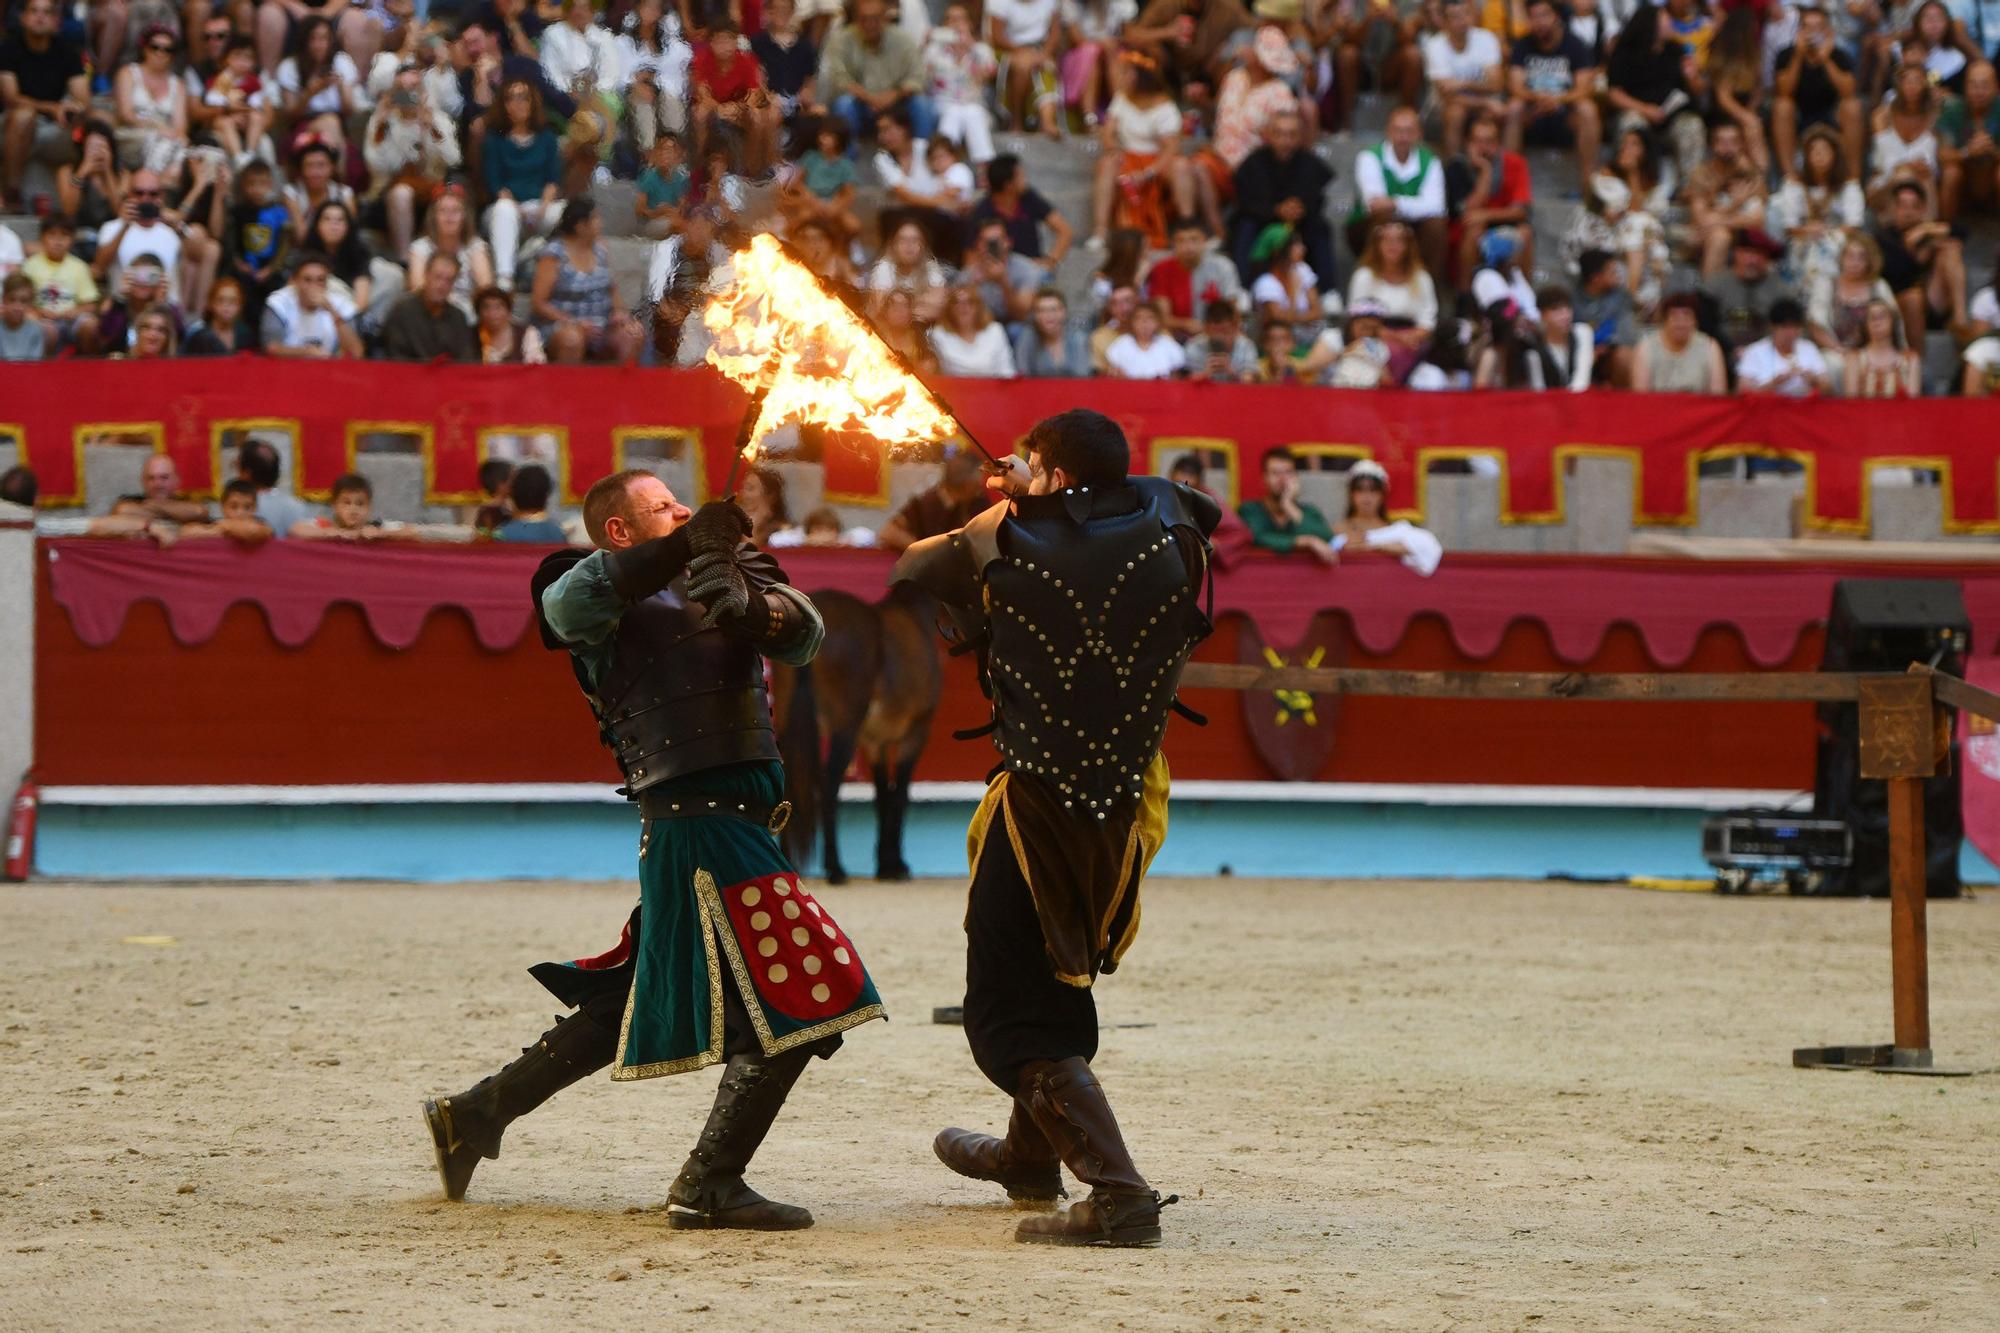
1384, 1104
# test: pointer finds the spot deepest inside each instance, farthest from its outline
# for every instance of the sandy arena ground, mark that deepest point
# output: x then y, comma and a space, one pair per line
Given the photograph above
1382, 1104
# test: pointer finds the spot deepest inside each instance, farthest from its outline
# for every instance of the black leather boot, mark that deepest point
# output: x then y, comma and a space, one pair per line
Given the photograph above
1023, 1162
709, 1192
468, 1126
1069, 1107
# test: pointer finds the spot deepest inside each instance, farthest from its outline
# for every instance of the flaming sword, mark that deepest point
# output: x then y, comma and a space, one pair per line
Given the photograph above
810, 357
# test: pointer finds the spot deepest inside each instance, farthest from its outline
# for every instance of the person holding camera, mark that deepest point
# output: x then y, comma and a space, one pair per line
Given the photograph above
1814, 83
411, 148
144, 226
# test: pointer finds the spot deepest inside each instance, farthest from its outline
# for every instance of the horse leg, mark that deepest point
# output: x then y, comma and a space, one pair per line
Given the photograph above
839, 754
885, 820
893, 803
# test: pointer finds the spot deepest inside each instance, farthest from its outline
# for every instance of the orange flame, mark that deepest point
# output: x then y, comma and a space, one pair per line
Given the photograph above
778, 329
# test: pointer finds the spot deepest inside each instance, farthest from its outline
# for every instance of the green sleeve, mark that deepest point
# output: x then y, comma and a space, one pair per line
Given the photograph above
1263, 528
582, 607
1312, 523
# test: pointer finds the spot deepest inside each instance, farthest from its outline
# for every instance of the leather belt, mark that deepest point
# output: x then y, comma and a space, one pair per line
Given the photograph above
658, 805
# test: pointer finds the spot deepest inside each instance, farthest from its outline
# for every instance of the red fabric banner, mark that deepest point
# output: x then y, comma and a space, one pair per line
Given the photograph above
1575, 600
186, 408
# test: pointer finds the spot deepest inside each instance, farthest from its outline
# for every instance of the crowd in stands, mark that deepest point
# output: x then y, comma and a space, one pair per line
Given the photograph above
1774, 194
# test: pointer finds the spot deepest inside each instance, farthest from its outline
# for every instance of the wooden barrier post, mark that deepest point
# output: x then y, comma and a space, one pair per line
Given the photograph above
1905, 734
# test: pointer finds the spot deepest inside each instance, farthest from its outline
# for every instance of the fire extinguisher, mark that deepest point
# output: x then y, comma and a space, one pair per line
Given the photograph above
21, 831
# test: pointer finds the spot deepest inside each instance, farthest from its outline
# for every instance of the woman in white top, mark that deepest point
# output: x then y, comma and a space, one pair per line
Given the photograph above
448, 230
968, 341
1025, 36
153, 105
654, 59
906, 265
1145, 353
1366, 530
1140, 146
317, 85
1390, 275
1287, 290
1905, 145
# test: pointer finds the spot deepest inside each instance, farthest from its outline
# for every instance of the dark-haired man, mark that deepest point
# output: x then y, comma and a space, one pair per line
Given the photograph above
1084, 598
257, 463
1023, 210
43, 90
727, 959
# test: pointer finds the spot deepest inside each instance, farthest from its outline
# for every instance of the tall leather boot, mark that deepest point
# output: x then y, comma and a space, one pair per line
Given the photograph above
1069, 1107
709, 1192
468, 1126
1023, 1162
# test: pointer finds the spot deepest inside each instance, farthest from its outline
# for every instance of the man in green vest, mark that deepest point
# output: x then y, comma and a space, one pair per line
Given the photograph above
1401, 178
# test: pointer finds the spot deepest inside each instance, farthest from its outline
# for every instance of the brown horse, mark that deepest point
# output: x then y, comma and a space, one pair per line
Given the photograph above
872, 690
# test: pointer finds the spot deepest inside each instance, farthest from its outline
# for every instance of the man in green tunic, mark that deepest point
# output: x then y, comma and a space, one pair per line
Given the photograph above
726, 959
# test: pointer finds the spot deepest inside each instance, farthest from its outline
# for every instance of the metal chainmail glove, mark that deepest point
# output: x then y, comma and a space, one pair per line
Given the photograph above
713, 577
715, 581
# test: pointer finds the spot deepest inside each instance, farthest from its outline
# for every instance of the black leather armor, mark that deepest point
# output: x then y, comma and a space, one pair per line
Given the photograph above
676, 697
1091, 602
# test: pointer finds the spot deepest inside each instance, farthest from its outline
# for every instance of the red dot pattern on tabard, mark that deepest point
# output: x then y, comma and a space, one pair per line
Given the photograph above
798, 957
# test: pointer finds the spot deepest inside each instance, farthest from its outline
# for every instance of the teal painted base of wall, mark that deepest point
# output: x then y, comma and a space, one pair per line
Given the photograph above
512, 840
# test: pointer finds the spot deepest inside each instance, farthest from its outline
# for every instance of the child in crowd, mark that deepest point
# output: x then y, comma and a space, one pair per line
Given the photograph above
823, 188
955, 179
66, 296
258, 233
353, 518
961, 70
822, 528
663, 186
239, 516
1190, 279
21, 338
1279, 364
243, 108
530, 491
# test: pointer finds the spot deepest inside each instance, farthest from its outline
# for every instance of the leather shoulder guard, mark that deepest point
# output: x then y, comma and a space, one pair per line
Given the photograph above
554, 565
952, 567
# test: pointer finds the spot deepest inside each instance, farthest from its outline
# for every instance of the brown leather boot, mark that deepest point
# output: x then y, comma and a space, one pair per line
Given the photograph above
1066, 1103
709, 1193
466, 1128
1023, 1162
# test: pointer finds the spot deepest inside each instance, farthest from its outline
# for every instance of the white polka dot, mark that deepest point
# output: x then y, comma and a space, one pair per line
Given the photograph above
791, 911
777, 974
751, 897
800, 937
812, 965
760, 921
782, 889
841, 956
815, 908
831, 933
821, 994
767, 946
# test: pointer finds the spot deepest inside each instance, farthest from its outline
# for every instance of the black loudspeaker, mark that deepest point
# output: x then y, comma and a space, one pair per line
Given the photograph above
1884, 625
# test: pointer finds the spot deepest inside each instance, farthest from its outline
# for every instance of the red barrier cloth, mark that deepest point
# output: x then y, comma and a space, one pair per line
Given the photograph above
1576, 599
293, 583
185, 407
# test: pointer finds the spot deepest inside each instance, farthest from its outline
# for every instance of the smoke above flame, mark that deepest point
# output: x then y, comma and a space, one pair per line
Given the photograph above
777, 329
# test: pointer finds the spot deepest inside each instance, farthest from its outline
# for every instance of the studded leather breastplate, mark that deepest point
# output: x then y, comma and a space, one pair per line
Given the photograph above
1094, 606
678, 698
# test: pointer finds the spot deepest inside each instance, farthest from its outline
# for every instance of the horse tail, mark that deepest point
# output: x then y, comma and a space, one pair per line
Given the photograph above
805, 767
